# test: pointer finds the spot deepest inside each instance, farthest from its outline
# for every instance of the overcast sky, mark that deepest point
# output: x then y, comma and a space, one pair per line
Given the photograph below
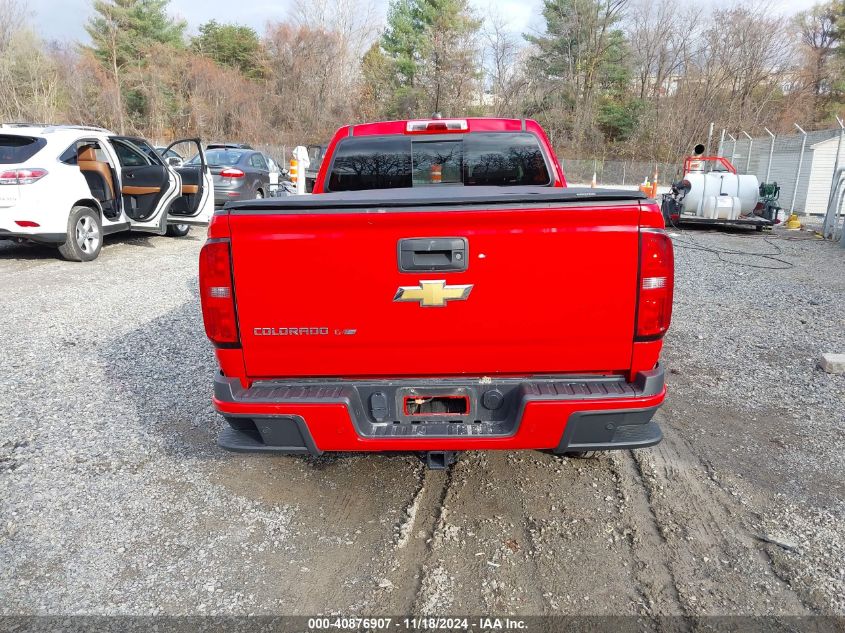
64, 20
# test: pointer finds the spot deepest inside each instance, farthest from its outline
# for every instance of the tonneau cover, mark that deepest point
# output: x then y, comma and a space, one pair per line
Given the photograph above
434, 197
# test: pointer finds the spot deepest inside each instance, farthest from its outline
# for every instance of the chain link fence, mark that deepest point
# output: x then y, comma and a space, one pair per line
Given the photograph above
279, 153
616, 173
801, 165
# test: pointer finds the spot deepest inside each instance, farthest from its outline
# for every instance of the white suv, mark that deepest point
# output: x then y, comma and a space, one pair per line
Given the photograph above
69, 186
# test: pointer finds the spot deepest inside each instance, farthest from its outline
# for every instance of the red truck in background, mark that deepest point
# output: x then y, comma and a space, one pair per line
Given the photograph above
444, 290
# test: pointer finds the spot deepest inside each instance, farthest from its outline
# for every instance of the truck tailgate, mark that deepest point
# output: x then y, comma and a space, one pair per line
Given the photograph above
552, 287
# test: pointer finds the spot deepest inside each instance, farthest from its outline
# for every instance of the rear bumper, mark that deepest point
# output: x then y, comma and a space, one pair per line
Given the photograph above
33, 236
222, 195
561, 413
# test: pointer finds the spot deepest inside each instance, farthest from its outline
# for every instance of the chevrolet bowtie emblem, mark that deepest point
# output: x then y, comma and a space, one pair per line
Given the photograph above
433, 294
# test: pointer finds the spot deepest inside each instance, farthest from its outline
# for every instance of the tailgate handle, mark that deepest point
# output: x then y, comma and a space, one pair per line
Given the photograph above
433, 254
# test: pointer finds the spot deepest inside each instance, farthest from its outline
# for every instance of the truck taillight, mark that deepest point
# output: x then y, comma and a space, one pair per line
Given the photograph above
21, 176
216, 296
656, 284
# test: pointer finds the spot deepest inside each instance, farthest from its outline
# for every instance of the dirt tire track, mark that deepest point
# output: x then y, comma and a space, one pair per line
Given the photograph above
413, 546
652, 570
511, 486
711, 553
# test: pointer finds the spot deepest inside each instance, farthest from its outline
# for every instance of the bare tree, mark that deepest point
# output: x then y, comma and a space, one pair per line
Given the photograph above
311, 96
504, 66
13, 16
353, 22
660, 33
32, 89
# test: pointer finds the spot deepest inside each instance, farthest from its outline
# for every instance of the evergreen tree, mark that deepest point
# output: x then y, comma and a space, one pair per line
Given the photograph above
580, 64
125, 29
432, 50
122, 33
231, 45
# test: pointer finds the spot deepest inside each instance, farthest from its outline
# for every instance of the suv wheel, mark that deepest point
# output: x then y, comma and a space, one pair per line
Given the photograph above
178, 230
84, 236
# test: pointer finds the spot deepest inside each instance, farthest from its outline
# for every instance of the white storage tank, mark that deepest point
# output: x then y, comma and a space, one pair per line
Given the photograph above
741, 189
721, 208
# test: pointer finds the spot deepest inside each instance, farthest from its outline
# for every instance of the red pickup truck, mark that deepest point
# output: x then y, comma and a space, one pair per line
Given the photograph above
443, 290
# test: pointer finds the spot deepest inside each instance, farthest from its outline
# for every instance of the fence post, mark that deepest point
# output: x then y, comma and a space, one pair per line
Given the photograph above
829, 226
798, 173
733, 151
722, 143
709, 138
750, 145
771, 151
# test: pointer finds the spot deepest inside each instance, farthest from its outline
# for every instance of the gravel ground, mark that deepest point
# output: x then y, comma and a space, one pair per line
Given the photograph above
114, 498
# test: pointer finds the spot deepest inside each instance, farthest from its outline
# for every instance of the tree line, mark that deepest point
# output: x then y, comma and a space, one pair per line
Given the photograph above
636, 79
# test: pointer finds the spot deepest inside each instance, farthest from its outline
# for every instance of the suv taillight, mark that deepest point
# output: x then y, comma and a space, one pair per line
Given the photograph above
656, 284
217, 293
25, 176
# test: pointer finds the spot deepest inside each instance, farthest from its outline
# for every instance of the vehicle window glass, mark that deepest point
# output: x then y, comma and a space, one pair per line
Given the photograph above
371, 163
128, 156
437, 162
257, 161
493, 159
17, 149
315, 155
185, 150
71, 155
504, 159
220, 157
147, 149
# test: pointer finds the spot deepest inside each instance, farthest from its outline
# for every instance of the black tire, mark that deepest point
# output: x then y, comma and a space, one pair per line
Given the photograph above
178, 230
84, 235
583, 454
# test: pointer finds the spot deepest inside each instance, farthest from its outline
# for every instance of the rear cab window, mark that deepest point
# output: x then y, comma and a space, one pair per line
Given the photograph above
474, 159
16, 149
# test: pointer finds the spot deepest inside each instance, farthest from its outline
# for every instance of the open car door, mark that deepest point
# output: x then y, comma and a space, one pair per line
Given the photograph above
147, 185
195, 204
